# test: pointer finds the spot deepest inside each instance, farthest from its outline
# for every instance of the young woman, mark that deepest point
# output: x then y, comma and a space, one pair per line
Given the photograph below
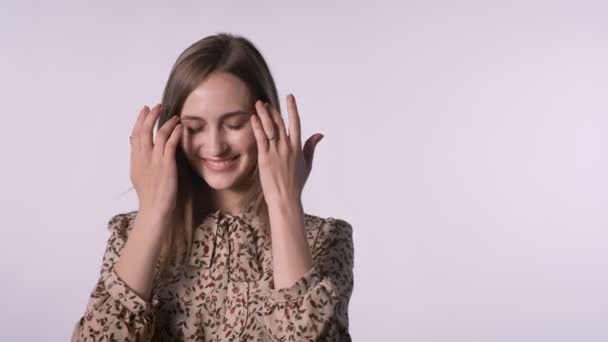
220, 248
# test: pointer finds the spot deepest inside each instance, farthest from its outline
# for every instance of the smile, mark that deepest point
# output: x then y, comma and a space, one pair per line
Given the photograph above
223, 165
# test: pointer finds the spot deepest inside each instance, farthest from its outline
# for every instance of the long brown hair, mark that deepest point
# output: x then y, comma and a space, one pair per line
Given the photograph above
223, 52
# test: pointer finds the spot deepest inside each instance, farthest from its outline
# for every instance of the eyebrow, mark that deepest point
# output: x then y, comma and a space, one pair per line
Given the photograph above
223, 116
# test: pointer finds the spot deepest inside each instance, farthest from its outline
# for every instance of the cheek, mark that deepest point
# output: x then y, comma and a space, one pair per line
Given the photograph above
186, 143
245, 141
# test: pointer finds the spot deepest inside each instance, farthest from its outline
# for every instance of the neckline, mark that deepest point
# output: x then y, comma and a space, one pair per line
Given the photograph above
244, 213
221, 213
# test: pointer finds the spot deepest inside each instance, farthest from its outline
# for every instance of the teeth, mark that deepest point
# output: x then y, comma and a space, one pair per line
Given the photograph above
220, 163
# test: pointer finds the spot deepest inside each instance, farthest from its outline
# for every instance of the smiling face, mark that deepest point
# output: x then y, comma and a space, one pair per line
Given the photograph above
218, 140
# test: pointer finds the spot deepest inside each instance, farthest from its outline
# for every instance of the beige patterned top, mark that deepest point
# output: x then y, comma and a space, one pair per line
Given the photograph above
224, 292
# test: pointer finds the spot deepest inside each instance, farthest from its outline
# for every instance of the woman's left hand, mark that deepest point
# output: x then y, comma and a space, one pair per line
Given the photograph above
284, 166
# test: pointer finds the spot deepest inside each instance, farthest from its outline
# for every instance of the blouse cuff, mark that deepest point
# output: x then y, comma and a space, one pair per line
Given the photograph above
298, 289
119, 290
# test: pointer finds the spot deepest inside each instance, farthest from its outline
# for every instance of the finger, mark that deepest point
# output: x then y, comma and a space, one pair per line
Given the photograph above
146, 133
164, 132
258, 132
140, 118
309, 148
137, 126
280, 123
267, 123
172, 142
294, 121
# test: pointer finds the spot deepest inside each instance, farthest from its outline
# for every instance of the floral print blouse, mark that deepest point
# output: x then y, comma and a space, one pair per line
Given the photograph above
224, 292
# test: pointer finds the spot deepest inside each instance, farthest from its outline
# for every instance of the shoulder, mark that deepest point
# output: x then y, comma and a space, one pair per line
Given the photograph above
323, 230
120, 224
315, 222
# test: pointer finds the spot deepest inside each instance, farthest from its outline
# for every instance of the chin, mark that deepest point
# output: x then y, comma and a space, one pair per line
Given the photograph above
219, 184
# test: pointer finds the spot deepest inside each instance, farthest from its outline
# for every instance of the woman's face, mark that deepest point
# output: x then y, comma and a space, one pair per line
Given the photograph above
218, 140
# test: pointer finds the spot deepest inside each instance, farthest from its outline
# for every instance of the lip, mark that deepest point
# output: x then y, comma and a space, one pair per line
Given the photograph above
212, 164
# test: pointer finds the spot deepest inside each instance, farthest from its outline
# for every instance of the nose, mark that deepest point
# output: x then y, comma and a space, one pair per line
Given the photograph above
215, 143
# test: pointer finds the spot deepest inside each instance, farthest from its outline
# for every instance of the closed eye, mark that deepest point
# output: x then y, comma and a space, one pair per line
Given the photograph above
236, 127
191, 130
232, 127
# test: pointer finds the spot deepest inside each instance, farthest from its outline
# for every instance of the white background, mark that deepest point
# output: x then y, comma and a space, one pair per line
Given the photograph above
465, 141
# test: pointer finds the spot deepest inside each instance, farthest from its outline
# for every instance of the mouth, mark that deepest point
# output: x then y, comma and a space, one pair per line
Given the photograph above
219, 165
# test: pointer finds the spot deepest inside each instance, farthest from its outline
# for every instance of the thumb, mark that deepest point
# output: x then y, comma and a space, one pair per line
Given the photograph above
309, 148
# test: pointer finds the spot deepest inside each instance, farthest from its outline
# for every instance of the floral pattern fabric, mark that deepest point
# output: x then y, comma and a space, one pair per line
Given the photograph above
224, 292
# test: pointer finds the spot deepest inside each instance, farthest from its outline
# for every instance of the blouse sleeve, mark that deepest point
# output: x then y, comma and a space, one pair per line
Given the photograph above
315, 307
115, 312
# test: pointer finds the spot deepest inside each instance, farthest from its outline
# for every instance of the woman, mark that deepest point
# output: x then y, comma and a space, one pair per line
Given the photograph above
220, 248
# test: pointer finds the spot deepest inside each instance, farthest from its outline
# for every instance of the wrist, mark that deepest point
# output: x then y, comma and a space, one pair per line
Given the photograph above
286, 206
152, 222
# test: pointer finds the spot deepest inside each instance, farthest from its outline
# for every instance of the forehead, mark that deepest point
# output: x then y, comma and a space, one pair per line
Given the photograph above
219, 93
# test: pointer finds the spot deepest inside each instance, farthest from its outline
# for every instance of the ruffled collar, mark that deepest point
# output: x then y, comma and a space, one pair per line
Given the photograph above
219, 227
245, 215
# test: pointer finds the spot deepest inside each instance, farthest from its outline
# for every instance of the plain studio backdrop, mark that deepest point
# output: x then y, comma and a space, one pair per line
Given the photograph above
465, 141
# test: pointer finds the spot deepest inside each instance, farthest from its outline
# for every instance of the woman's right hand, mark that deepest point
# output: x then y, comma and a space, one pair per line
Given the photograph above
153, 166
